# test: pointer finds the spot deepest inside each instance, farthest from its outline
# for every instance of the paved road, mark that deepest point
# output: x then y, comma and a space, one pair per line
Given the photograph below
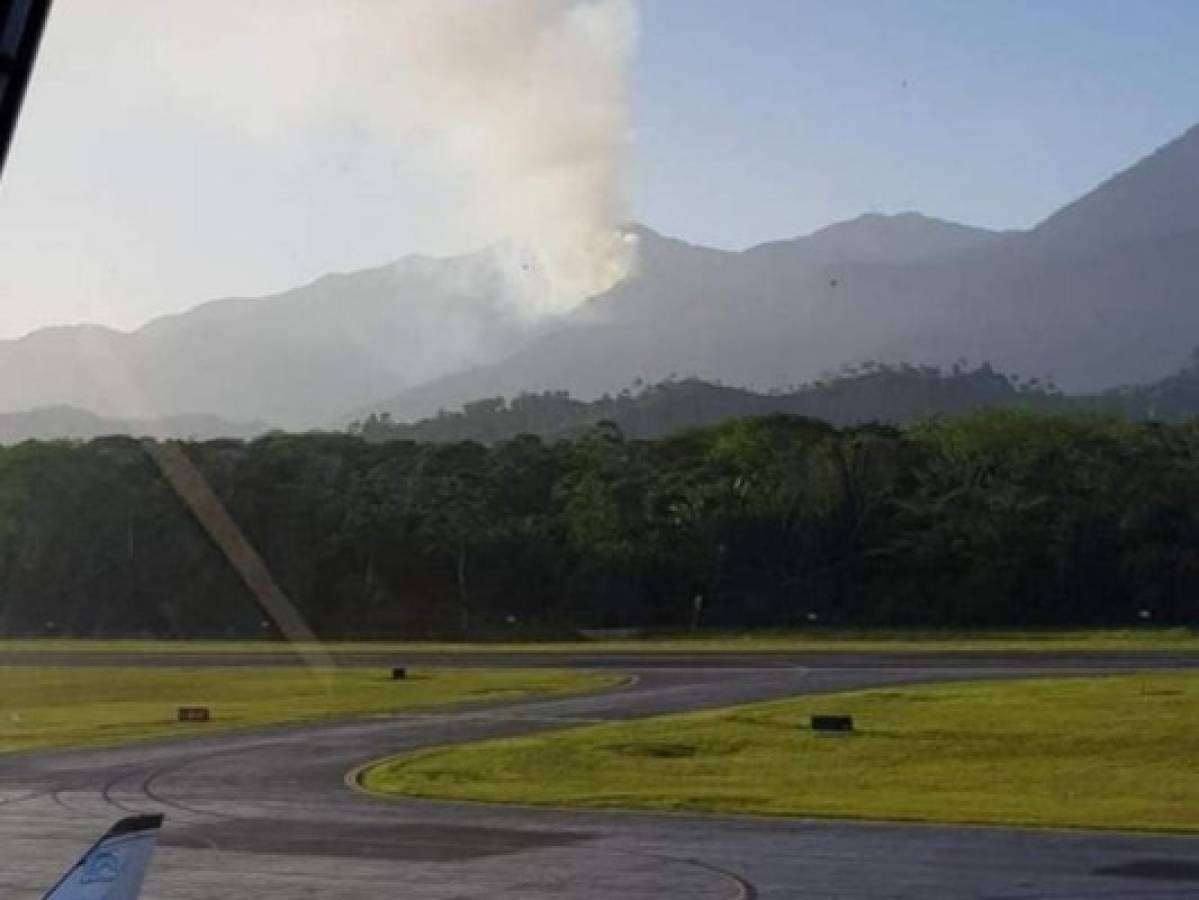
267, 814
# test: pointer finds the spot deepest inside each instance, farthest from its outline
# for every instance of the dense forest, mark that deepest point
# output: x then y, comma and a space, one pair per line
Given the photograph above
998, 518
871, 392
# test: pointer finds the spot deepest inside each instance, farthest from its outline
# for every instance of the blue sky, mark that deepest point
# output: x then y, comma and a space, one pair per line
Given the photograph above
758, 120
167, 156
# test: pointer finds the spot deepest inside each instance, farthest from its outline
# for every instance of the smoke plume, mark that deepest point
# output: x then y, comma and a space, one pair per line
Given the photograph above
531, 98
515, 111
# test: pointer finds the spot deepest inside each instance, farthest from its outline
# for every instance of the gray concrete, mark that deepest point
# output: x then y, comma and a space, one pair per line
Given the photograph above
267, 813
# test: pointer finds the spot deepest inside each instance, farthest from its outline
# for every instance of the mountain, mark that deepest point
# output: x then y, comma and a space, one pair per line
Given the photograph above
67, 422
1156, 198
295, 359
1100, 294
875, 238
873, 394
882, 394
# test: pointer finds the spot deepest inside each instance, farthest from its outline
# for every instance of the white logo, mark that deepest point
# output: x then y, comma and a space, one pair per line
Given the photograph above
101, 867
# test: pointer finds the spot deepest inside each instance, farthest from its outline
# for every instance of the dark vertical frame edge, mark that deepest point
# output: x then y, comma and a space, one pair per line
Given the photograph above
27, 20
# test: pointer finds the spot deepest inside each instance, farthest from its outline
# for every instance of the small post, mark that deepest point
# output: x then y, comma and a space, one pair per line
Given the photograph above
398, 673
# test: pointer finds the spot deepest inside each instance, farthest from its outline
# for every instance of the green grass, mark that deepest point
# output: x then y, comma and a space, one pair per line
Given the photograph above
43, 708
1147, 640
1108, 752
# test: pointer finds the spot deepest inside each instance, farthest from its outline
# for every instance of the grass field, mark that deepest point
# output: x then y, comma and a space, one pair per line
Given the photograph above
1110, 752
1148, 640
46, 708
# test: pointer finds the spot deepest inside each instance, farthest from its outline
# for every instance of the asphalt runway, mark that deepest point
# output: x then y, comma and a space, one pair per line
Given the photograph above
267, 813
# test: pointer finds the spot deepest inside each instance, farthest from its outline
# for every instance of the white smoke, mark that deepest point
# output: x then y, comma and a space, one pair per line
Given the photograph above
526, 100
505, 120
531, 98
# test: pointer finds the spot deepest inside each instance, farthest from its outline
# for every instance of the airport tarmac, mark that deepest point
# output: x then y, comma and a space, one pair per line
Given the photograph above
268, 814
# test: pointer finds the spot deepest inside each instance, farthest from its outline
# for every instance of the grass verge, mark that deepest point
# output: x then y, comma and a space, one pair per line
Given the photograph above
1114, 640
47, 708
1109, 752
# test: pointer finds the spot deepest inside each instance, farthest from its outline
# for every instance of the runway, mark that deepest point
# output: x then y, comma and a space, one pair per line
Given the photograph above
268, 814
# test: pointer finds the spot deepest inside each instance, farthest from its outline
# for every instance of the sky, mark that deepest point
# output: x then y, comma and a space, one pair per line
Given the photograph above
174, 152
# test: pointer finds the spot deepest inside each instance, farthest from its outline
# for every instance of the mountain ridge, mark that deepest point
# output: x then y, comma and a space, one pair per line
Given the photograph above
1146, 199
297, 357
1098, 294
1094, 307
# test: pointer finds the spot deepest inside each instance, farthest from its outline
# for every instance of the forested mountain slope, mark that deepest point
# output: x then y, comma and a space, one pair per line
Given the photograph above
893, 395
1101, 294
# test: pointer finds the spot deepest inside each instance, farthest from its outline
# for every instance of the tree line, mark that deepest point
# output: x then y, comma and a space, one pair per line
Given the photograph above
870, 392
998, 518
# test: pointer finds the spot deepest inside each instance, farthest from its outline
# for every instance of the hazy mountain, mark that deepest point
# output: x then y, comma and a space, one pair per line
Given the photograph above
1156, 198
1105, 292
879, 394
296, 359
893, 395
1102, 293
55, 422
907, 237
